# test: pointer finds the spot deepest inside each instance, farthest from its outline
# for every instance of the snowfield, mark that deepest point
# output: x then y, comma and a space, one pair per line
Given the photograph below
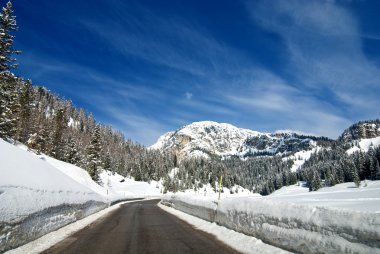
339, 219
39, 194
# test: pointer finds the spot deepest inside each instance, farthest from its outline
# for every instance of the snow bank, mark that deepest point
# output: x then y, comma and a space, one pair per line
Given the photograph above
49, 240
36, 198
238, 241
294, 227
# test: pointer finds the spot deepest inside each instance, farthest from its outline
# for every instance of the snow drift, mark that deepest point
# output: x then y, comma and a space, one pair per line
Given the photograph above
294, 227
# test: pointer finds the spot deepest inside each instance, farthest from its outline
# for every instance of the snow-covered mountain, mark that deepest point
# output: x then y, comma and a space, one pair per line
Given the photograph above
211, 138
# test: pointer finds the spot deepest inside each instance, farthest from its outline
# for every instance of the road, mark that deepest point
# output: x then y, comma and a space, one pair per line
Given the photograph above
140, 227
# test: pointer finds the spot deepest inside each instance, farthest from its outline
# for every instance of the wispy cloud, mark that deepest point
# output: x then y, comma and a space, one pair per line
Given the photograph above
273, 100
324, 44
168, 41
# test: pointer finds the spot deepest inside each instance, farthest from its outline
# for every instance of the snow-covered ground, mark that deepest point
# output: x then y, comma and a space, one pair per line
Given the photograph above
339, 219
364, 145
113, 187
299, 158
39, 194
117, 186
341, 196
208, 190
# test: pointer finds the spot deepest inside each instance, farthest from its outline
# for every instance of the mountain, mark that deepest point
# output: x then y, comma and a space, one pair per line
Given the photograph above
361, 130
208, 138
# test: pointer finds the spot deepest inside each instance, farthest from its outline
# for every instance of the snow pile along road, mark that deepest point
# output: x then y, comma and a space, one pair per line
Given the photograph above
36, 198
294, 227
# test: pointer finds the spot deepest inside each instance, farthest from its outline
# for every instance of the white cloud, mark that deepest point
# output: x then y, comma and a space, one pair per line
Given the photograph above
324, 43
273, 100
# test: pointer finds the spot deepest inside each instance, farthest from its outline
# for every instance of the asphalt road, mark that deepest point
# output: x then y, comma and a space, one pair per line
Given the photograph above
140, 227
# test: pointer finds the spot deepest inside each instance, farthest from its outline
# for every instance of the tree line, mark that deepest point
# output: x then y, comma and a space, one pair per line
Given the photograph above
332, 166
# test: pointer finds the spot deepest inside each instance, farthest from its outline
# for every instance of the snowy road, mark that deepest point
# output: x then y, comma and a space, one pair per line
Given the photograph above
140, 227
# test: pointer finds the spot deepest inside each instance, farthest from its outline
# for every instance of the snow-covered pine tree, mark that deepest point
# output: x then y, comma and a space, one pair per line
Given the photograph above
7, 26
71, 152
9, 105
25, 101
375, 169
107, 161
56, 139
354, 175
315, 180
93, 153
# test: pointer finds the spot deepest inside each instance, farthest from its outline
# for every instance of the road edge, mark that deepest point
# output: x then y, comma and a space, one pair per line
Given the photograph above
47, 241
238, 241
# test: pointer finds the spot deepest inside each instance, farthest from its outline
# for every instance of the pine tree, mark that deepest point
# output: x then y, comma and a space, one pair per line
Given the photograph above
354, 175
376, 169
93, 153
72, 154
107, 161
9, 105
7, 26
25, 100
56, 140
38, 140
315, 181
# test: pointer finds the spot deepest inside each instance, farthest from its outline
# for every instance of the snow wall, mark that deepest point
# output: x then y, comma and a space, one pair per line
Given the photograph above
16, 233
298, 228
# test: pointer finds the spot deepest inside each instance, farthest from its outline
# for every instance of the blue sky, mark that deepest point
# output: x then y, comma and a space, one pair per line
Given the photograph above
148, 67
